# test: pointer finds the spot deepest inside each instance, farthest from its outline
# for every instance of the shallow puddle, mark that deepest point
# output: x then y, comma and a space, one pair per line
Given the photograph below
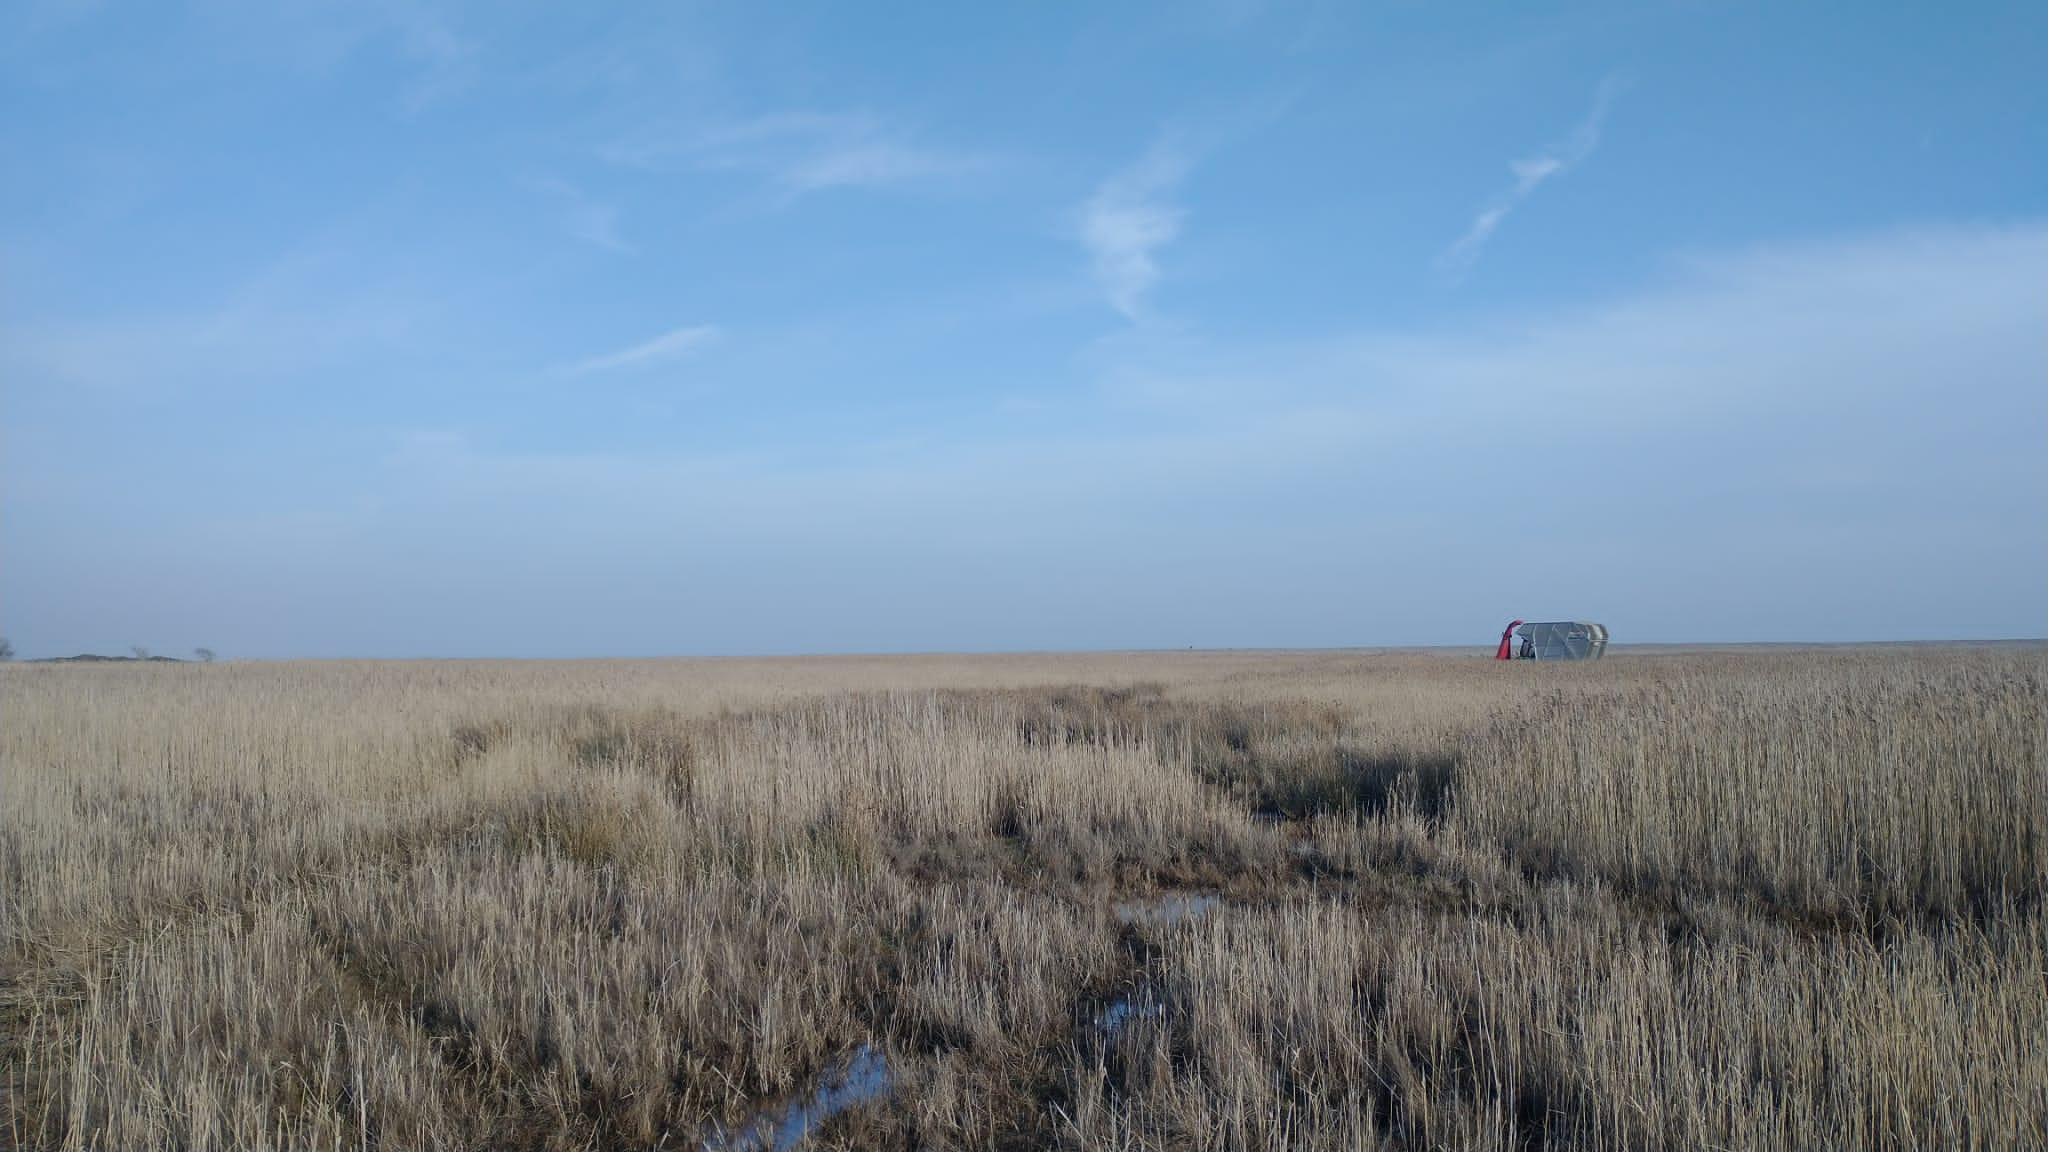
864, 1076
1144, 1003
1171, 909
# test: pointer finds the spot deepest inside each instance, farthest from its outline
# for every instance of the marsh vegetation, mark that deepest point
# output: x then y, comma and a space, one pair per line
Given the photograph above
1785, 899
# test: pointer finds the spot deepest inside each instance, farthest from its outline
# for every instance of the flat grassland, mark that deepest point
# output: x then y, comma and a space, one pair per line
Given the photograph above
1734, 899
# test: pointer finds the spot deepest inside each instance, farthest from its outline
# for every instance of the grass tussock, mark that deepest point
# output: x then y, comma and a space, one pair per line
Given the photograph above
1324, 901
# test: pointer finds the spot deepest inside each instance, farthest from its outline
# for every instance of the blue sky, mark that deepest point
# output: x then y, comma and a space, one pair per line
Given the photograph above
412, 329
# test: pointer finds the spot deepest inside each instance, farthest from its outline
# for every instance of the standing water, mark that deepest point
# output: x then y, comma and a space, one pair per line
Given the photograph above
781, 1127
1145, 1003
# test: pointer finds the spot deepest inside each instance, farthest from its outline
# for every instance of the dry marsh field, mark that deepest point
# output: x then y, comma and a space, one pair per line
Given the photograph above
1733, 899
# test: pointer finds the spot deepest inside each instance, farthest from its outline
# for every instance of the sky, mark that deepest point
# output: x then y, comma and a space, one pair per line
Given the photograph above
500, 329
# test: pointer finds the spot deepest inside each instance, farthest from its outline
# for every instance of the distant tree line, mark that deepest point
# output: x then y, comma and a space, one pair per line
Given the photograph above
138, 651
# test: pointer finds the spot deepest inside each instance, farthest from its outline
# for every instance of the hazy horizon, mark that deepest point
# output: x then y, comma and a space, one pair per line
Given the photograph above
470, 330
1477, 650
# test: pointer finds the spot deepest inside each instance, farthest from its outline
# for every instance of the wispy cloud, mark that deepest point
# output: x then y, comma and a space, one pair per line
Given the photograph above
598, 224
803, 152
446, 60
588, 220
1828, 370
1831, 371
434, 60
1129, 218
663, 348
1530, 174
325, 304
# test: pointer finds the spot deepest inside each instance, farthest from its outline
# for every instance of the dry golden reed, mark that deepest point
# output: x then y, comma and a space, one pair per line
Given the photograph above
1739, 899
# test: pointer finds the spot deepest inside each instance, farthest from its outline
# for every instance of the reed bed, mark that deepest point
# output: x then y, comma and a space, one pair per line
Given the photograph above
1755, 899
